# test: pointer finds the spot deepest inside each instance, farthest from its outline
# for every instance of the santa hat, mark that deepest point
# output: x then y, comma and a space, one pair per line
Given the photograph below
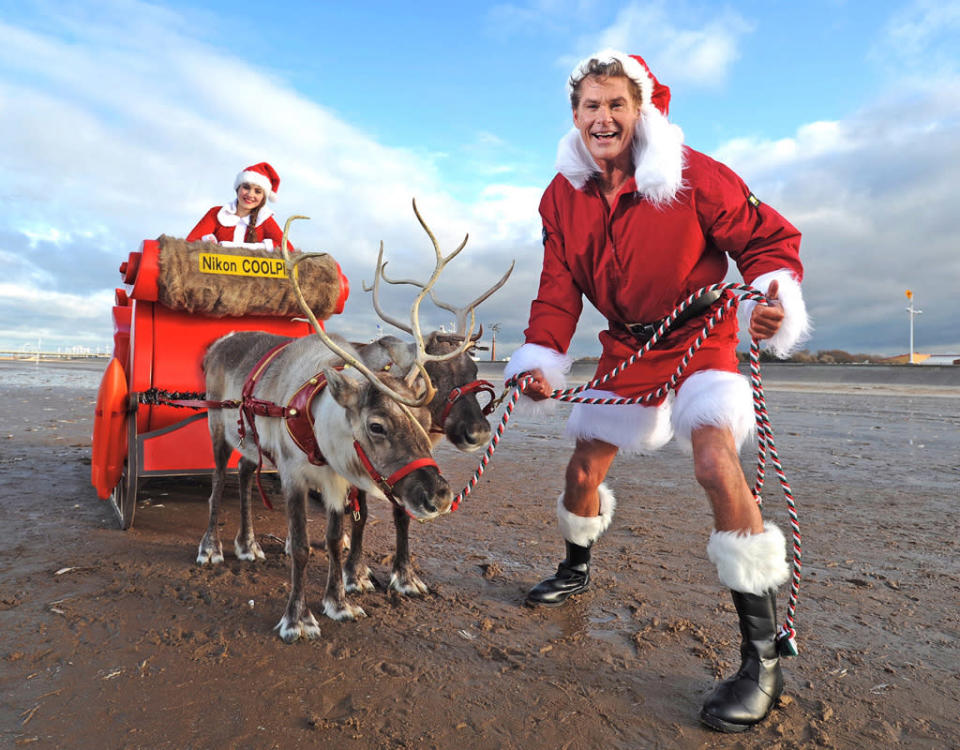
652, 92
261, 174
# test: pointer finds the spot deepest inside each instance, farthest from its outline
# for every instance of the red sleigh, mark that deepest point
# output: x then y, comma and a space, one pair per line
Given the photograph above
157, 347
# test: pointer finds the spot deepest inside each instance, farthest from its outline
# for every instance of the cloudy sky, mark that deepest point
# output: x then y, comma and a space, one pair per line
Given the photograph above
124, 120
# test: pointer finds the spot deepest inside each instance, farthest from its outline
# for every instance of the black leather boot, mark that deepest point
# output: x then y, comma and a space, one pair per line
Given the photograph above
745, 699
573, 576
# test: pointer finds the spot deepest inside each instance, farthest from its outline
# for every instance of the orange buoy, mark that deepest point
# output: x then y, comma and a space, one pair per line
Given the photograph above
109, 430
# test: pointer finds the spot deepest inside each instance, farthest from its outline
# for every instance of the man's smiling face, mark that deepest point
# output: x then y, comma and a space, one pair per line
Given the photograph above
606, 117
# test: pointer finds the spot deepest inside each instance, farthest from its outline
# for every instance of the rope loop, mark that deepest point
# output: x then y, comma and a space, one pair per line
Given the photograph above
514, 388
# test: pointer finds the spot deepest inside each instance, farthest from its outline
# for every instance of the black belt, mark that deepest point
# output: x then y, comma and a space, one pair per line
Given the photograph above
643, 332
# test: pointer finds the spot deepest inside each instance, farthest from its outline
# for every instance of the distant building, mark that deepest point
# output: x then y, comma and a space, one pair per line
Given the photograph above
923, 359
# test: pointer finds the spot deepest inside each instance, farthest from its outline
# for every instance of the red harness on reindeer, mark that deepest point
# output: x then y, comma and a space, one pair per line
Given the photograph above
298, 418
457, 393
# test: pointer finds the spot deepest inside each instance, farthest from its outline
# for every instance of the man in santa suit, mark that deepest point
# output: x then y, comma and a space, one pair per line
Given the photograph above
247, 220
636, 221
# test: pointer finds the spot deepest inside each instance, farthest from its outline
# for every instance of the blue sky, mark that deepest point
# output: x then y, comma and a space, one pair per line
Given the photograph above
124, 120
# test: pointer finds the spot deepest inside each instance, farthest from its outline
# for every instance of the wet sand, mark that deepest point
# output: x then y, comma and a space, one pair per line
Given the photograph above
117, 639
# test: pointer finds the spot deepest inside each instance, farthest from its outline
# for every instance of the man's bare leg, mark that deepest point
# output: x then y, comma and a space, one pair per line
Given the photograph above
584, 511
749, 556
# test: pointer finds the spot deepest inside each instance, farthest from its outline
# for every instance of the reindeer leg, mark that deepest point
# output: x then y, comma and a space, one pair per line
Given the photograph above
356, 575
297, 621
404, 580
245, 545
211, 550
335, 604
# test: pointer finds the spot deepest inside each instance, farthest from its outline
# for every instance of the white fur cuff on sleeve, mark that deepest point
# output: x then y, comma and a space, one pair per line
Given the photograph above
796, 326
553, 364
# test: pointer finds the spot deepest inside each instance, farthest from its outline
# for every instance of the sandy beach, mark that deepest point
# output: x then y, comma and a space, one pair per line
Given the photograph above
116, 639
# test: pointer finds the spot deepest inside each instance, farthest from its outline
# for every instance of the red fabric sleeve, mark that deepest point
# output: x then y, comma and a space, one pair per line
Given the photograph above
555, 311
206, 225
758, 238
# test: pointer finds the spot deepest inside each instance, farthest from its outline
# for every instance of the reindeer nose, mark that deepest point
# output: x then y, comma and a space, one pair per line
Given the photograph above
442, 497
479, 433
429, 494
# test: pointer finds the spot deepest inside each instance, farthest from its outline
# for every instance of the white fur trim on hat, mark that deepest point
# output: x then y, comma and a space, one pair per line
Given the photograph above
657, 156
796, 327
633, 428
583, 530
750, 563
256, 178
637, 73
553, 364
714, 397
574, 161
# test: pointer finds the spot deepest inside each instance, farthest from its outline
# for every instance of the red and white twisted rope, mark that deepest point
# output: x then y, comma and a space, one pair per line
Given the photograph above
765, 441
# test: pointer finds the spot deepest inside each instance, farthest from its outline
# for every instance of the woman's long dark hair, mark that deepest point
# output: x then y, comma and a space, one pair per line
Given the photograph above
251, 235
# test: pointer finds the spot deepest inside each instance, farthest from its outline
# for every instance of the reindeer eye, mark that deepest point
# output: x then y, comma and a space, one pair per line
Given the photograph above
376, 428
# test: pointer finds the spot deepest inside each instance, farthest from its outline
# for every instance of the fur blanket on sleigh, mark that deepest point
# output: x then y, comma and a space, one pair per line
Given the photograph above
182, 285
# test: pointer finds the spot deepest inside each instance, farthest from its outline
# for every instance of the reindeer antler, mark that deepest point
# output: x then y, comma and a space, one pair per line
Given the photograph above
461, 312
376, 294
414, 329
347, 357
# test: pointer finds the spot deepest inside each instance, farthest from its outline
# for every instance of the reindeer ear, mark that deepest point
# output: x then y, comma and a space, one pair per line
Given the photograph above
401, 353
344, 390
431, 342
415, 382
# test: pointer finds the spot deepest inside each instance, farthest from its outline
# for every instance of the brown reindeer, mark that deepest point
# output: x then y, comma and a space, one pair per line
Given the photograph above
455, 411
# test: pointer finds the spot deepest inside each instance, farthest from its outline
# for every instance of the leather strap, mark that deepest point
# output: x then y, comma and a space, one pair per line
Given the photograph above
387, 484
643, 332
457, 393
250, 407
298, 418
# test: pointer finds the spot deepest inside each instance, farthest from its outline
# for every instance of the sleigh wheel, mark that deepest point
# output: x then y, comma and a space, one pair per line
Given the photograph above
123, 498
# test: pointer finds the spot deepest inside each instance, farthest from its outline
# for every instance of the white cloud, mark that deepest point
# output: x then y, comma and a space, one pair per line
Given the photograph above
922, 36
121, 127
874, 196
699, 54
132, 129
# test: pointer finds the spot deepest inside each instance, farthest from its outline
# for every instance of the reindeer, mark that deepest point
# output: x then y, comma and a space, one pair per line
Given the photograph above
357, 433
455, 411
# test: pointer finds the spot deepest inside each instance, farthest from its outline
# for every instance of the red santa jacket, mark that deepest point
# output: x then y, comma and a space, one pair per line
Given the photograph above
224, 224
637, 260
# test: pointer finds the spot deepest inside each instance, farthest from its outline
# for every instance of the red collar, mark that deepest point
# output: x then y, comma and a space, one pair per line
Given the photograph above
298, 417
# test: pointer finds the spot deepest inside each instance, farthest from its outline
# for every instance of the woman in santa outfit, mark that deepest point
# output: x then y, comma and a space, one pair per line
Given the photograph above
247, 220
637, 221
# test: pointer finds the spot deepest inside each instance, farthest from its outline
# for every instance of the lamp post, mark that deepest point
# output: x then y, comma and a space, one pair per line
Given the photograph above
493, 343
913, 313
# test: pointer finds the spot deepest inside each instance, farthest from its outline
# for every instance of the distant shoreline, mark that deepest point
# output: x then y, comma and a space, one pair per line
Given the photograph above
895, 380
941, 380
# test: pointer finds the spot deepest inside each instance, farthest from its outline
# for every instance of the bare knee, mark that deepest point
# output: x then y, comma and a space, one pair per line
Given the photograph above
715, 460
589, 464
585, 474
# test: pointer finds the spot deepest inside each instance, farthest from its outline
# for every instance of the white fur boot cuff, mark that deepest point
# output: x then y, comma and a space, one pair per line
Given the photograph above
585, 531
750, 563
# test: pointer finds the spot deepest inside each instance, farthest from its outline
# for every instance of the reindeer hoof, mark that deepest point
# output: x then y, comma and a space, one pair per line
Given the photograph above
248, 551
362, 583
209, 554
307, 627
408, 585
342, 612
